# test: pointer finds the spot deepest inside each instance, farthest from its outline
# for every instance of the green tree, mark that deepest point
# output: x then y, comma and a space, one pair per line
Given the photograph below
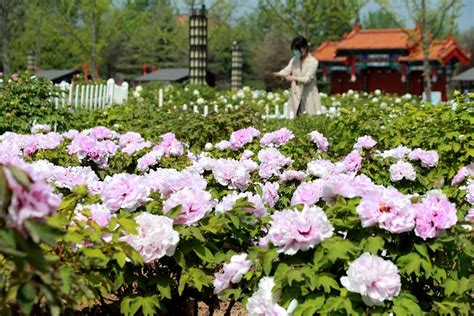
11, 15
379, 19
434, 19
315, 20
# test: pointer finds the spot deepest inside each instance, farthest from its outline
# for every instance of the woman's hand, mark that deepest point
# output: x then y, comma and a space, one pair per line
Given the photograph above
290, 78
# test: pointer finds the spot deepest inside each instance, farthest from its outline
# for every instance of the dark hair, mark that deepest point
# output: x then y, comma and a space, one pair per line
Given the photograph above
299, 42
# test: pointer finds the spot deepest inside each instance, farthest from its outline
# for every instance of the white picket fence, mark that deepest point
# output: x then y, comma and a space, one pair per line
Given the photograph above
205, 110
91, 96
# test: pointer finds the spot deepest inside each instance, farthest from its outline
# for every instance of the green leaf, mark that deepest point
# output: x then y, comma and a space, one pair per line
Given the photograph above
164, 285
268, 258
97, 254
65, 274
121, 258
26, 297
338, 248
204, 253
129, 225
42, 232
410, 263
148, 305
294, 275
374, 244
20, 176
327, 282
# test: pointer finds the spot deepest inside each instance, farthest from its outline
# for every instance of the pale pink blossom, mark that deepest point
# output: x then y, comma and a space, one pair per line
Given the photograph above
321, 168
307, 193
399, 152
231, 173
277, 138
374, 278
319, 140
292, 231
194, 204
232, 272
270, 193
292, 175
156, 237
364, 142
352, 162
434, 214
124, 191
242, 137
428, 158
387, 208
402, 170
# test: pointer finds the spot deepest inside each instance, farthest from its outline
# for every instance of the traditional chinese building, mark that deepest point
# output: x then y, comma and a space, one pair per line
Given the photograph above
386, 59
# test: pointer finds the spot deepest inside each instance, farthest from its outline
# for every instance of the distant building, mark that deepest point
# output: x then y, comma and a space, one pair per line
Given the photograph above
466, 80
386, 59
172, 75
58, 75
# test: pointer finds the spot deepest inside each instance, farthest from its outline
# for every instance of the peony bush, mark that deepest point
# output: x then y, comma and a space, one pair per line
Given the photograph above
98, 220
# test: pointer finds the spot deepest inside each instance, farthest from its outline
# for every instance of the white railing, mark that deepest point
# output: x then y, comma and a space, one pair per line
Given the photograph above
91, 96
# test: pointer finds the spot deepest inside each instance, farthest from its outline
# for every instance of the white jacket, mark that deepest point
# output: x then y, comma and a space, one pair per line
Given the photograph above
304, 96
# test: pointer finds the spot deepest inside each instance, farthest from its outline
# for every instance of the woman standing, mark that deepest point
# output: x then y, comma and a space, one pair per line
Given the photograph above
301, 72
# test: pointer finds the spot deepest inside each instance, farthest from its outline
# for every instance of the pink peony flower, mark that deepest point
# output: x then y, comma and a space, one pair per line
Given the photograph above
291, 230
428, 158
402, 169
462, 174
307, 193
374, 278
292, 175
270, 193
71, 134
434, 214
364, 142
470, 193
242, 137
263, 301
99, 213
319, 140
222, 145
228, 202
148, 160
277, 138
194, 204
231, 173
35, 203
169, 145
101, 132
347, 186
387, 208
232, 272
399, 152
156, 237
352, 162
470, 216
40, 128
133, 147
130, 137
124, 191
321, 168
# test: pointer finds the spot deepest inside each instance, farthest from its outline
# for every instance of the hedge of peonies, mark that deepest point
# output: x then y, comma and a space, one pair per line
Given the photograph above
151, 224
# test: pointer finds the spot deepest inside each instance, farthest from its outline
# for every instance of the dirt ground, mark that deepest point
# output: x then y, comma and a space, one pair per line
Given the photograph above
237, 310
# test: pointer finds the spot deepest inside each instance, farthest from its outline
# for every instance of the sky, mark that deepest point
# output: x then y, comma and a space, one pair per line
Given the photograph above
466, 20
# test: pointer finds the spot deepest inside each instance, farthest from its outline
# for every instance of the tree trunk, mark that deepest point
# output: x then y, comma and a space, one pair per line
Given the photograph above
425, 42
94, 43
5, 40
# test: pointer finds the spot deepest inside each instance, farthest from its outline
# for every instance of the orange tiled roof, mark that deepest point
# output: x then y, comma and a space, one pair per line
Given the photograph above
327, 52
389, 39
376, 39
441, 51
